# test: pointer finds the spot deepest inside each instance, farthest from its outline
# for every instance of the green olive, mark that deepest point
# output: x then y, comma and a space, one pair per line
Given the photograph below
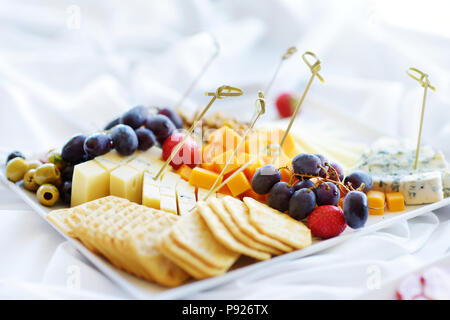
16, 169
55, 158
33, 164
47, 194
28, 181
47, 173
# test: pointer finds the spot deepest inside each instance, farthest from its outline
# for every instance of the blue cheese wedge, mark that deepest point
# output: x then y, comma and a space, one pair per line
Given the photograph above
390, 162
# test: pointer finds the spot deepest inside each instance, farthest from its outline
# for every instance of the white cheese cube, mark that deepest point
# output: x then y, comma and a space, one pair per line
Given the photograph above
126, 182
90, 181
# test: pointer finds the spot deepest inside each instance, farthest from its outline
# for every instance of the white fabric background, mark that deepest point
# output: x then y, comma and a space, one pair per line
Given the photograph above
58, 77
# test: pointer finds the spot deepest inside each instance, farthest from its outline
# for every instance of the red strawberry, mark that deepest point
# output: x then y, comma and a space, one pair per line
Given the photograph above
326, 221
286, 104
188, 154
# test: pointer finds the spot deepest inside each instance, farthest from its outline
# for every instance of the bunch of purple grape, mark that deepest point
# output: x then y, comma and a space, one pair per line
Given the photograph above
135, 129
319, 183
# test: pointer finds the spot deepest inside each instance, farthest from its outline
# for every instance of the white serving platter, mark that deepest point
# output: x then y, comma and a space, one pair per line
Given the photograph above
142, 289
387, 291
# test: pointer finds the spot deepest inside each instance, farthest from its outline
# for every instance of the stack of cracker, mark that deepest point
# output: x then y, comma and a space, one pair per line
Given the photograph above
207, 241
125, 234
167, 249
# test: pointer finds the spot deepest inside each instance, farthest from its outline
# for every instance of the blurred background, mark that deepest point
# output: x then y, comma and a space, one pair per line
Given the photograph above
70, 66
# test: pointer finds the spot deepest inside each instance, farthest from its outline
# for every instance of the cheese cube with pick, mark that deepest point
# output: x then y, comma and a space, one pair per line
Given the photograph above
150, 191
167, 190
185, 197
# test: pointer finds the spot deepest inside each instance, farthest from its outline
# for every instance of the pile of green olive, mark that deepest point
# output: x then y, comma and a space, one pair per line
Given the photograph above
50, 177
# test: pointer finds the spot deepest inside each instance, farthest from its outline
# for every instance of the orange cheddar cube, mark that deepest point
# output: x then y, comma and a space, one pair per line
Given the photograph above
203, 178
208, 166
286, 175
376, 201
225, 191
238, 184
221, 160
289, 147
184, 172
395, 201
225, 138
252, 194
255, 142
251, 170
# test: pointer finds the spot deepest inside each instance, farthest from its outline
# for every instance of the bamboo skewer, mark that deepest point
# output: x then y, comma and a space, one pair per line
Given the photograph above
425, 83
221, 92
260, 105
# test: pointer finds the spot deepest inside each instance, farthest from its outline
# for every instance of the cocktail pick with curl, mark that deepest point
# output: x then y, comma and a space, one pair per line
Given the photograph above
422, 78
289, 52
221, 92
315, 68
201, 73
260, 109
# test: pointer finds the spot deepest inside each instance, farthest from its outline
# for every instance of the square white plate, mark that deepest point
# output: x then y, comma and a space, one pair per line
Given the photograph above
146, 290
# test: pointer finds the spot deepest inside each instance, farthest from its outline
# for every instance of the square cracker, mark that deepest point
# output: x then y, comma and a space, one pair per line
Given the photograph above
170, 250
240, 214
58, 218
223, 214
193, 235
278, 225
221, 233
143, 245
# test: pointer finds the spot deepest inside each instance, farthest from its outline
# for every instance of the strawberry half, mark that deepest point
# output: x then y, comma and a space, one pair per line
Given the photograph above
326, 221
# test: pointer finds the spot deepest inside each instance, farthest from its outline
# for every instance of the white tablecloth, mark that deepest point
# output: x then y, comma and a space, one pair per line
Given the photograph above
61, 73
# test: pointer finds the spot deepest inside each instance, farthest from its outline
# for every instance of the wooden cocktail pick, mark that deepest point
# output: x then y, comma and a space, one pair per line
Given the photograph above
260, 109
221, 92
315, 68
200, 74
289, 52
422, 78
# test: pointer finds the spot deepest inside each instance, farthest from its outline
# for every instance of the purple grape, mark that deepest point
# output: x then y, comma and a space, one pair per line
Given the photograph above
112, 124
146, 138
67, 173
73, 150
173, 116
135, 117
327, 194
66, 192
323, 161
279, 196
302, 203
264, 179
356, 209
97, 144
304, 184
332, 173
161, 126
125, 139
356, 178
14, 154
305, 163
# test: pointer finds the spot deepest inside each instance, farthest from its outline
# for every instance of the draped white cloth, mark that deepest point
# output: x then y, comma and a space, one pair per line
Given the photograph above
67, 68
